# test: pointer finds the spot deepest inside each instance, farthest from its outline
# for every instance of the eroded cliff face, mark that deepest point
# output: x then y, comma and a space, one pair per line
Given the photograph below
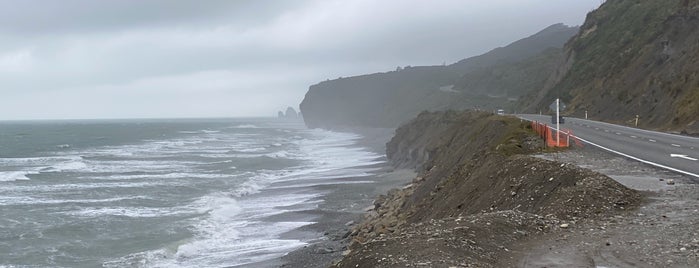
472, 159
632, 58
477, 193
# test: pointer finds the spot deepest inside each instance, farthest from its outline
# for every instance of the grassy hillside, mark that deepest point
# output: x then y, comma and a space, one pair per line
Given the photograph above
632, 58
511, 79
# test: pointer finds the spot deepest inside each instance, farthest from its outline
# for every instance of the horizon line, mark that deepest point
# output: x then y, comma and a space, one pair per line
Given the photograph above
136, 118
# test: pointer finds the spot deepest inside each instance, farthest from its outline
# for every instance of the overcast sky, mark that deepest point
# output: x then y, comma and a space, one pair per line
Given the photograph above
227, 58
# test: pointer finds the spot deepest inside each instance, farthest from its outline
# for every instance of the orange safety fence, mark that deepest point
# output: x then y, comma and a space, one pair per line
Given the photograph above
550, 137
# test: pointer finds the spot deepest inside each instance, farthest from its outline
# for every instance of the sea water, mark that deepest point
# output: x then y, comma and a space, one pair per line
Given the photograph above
163, 193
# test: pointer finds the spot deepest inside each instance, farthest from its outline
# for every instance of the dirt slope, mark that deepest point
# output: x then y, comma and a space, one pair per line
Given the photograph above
477, 194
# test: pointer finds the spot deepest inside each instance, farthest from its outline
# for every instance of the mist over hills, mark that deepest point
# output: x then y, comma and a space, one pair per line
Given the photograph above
631, 58
390, 98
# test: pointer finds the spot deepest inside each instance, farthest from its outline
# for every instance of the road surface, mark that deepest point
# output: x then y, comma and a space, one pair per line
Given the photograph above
673, 152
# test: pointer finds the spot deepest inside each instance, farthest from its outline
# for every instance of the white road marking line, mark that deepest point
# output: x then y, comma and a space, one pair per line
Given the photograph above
676, 145
683, 156
618, 133
606, 131
638, 159
651, 140
596, 128
634, 137
644, 130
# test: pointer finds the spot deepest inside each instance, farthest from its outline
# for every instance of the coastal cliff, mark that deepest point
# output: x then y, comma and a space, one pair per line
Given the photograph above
490, 81
477, 194
630, 58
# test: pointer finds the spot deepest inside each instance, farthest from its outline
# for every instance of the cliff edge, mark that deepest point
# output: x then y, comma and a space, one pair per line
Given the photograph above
490, 81
478, 193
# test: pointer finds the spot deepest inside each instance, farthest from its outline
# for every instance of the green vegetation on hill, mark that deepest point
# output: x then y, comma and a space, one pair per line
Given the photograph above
632, 58
511, 79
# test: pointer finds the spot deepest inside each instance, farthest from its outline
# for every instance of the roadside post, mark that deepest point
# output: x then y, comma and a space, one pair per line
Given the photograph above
558, 122
558, 106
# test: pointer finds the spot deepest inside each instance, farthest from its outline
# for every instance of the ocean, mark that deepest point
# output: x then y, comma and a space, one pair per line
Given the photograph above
164, 193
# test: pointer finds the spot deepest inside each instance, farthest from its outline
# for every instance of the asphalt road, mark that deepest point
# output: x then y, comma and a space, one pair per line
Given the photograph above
673, 152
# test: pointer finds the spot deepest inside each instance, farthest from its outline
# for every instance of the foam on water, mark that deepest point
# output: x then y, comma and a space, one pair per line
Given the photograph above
47, 188
306, 185
250, 150
230, 234
227, 234
170, 176
27, 200
95, 212
69, 166
14, 175
35, 161
246, 126
330, 157
235, 233
219, 185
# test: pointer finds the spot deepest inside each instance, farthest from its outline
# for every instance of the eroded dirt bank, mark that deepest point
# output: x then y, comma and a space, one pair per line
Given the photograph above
479, 197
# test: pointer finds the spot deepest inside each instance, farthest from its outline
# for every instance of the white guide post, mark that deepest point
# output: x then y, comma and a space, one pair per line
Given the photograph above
558, 122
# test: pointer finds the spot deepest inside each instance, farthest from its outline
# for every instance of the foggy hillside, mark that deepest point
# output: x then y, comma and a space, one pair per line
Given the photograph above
488, 81
632, 58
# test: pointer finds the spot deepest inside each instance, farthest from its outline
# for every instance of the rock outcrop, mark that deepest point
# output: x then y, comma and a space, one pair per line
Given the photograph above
290, 114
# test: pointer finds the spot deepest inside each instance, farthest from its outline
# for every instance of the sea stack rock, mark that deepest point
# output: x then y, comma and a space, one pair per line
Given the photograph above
291, 113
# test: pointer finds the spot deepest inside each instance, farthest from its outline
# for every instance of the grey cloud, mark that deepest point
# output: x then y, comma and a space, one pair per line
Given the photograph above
69, 16
94, 60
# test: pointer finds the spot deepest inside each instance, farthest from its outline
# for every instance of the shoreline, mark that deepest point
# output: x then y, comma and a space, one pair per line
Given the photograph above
667, 205
343, 205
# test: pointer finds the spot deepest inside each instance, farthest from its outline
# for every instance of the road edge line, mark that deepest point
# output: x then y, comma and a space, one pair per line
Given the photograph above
630, 156
639, 129
639, 159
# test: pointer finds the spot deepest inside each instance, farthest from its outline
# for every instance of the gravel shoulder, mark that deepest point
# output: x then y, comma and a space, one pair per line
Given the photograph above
662, 232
